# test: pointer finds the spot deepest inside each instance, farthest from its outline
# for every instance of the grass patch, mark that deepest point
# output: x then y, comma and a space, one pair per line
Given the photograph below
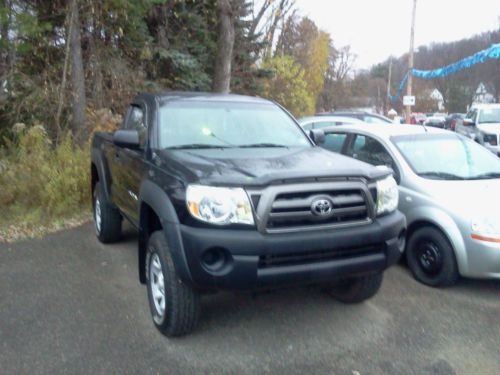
43, 187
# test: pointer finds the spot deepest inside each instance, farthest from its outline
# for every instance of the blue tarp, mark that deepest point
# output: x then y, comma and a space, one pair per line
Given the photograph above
492, 52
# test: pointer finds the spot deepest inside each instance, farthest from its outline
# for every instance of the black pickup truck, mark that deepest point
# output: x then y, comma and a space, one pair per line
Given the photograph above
229, 193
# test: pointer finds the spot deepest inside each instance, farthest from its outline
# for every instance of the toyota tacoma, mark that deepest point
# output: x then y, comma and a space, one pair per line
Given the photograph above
229, 193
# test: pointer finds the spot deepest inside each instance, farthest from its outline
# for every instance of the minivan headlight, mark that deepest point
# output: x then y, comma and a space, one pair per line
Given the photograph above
218, 205
387, 195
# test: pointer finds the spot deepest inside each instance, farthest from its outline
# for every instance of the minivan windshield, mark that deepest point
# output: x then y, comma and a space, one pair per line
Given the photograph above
224, 124
489, 116
447, 157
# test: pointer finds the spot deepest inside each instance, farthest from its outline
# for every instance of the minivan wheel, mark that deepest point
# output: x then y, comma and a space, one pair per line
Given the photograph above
174, 305
356, 289
431, 258
107, 219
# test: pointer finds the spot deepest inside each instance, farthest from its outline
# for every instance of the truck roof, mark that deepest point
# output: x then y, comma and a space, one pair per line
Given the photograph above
205, 96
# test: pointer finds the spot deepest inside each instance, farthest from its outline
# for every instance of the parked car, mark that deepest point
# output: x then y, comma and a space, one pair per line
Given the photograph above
482, 124
362, 116
319, 122
229, 193
452, 119
435, 121
448, 188
417, 118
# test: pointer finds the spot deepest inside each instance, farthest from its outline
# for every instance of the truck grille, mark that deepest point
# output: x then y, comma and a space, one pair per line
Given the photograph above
295, 209
290, 259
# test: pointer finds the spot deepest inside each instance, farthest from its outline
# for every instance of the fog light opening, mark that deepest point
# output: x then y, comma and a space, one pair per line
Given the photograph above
215, 259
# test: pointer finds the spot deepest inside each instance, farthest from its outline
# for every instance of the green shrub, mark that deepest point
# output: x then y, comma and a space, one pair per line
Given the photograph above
40, 181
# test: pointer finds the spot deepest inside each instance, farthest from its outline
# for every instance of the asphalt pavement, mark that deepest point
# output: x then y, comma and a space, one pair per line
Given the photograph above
69, 304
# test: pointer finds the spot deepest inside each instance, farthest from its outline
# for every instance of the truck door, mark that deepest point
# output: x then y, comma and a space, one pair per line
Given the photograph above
129, 164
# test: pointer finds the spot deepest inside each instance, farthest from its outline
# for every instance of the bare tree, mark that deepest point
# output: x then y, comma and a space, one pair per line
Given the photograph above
343, 63
77, 77
225, 43
278, 14
257, 18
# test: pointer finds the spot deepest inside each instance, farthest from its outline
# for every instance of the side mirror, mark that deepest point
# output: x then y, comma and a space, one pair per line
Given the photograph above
468, 122
317, 136
126, 138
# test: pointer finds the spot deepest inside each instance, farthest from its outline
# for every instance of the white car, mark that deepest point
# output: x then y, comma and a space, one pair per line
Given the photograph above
482, 124
320, 122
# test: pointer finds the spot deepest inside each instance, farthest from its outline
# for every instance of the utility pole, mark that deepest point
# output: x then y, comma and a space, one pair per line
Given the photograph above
410, 61
387, 100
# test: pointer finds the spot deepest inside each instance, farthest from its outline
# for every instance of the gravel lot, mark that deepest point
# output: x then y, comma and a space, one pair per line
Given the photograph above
71, 305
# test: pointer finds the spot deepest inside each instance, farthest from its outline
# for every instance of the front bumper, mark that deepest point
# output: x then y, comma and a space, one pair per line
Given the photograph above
254, 260
483, 259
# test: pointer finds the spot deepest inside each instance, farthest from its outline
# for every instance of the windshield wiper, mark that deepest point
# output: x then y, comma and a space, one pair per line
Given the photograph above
195, 146
489, 122
262, 145
441, 176
485, 176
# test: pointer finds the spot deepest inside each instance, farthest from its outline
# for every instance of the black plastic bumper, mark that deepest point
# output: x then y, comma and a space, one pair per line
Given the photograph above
253, 260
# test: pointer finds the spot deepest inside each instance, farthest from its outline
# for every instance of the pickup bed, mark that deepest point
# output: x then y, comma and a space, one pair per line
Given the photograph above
229, 193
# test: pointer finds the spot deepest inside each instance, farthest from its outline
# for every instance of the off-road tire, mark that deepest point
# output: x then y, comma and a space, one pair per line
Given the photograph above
109, 227
356, 289
182, 302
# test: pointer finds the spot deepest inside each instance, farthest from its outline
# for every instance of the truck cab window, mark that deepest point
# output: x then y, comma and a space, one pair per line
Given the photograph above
136, 121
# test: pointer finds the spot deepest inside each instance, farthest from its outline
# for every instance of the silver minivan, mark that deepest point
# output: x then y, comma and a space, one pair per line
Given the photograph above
449, 190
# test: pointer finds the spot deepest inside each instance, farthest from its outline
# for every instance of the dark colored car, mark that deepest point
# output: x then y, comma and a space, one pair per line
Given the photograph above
435, 121
362, 116
452, 119
229, 193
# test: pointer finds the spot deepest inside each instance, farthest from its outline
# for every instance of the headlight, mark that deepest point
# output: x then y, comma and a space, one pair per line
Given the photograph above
387, 195
218, 205
489, 226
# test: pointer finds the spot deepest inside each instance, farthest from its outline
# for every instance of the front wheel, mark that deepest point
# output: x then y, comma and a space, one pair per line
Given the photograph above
174, 305
431, 258
356, 289
107, 219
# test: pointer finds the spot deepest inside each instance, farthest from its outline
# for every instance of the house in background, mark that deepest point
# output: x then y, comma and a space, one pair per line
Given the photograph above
437, 97
482, 95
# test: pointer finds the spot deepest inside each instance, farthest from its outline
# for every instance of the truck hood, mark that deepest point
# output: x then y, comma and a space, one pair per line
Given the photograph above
261, 166
490, 128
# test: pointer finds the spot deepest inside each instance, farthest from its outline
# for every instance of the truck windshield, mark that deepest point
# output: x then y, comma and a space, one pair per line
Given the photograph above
489, 116
199, 124
447, 157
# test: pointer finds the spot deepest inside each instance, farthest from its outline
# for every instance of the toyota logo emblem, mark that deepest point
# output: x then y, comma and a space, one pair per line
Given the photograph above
322, 207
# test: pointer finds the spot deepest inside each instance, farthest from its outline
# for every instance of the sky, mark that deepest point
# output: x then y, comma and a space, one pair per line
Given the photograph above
377, 29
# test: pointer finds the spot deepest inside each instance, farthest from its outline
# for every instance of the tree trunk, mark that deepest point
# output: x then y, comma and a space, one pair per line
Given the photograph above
7, 51
78, 125
225, 43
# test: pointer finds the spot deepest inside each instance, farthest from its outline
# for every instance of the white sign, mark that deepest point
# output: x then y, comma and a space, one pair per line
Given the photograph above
408, 100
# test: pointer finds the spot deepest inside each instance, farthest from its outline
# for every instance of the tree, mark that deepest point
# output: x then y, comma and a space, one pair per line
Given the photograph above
78, 124
225, 42
288, 86
309, 46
